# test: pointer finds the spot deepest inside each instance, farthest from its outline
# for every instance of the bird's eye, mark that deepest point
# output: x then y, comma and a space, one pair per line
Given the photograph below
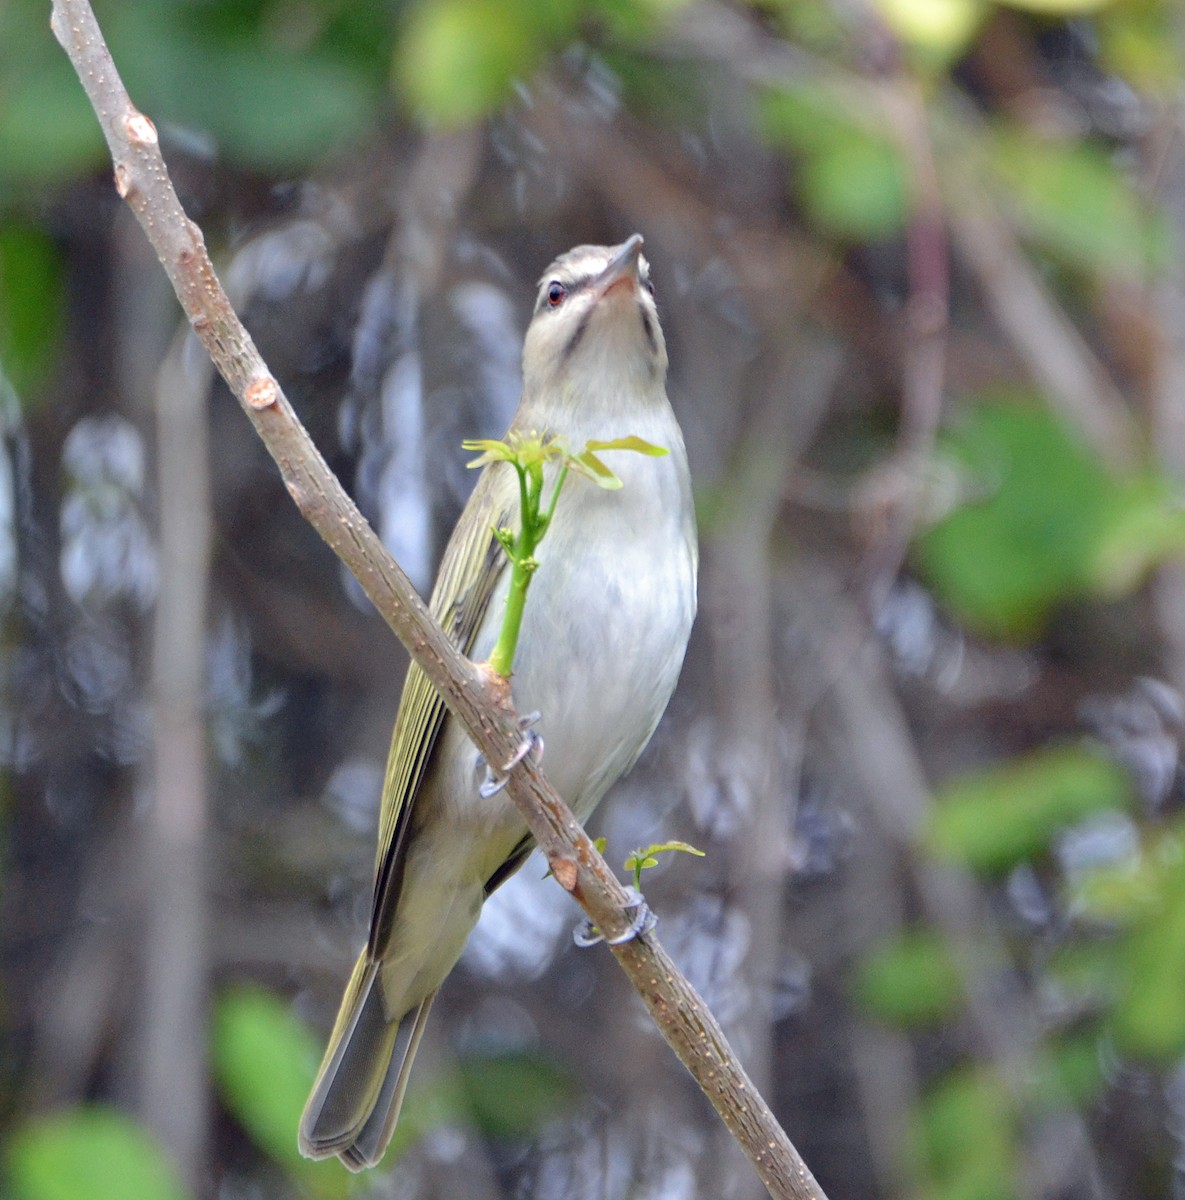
649, 285
556, 293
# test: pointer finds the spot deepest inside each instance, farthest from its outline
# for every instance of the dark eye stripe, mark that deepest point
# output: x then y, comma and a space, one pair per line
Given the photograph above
571, 286
648, 326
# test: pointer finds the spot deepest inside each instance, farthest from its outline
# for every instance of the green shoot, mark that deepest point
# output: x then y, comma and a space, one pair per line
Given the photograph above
529, 454
641, 859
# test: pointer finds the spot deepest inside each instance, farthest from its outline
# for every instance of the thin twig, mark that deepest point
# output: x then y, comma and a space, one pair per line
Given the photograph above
474, 696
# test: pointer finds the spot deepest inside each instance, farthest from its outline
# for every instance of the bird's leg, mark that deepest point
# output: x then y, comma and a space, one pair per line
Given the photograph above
644, 920
531, 744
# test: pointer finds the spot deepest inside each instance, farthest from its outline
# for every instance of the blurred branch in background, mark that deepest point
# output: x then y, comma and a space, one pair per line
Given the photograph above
174, 859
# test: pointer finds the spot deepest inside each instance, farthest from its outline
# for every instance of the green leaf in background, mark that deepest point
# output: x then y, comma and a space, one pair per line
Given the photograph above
997, 818
1149, 1016
910, 980
1076, 202
458, 59
237, 74
851, 178
1069, 1071
1131, 967
510, 1095
513, 1094
1138, 973
939, 29
239, 84
48, 132
93, 1152
1043, 522
1139, 43
1143, 527
856, 187
1056, 8
265, 1060
965, 1138
30, 305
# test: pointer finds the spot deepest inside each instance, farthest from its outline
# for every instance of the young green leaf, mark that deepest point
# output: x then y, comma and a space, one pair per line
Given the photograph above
491, 449
641, 859
637, 444
590, 466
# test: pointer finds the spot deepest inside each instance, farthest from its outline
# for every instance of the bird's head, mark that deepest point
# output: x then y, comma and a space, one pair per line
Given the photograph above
595, 335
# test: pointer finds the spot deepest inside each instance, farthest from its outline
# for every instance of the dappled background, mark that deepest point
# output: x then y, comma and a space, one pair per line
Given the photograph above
922, 276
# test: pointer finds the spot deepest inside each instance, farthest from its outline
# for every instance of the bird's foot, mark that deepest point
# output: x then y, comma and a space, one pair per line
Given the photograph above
644, 920
531, 744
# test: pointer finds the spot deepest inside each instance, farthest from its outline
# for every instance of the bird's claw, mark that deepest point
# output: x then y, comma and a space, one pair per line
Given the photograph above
644, 920
531, 744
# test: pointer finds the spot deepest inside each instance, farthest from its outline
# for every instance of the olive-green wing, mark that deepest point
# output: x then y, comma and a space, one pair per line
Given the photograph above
472, 564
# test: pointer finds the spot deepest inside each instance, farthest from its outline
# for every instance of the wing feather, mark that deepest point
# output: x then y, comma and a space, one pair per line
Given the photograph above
472, 564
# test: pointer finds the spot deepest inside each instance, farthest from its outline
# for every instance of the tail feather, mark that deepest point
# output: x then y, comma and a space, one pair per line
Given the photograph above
356, 1098
375, 1135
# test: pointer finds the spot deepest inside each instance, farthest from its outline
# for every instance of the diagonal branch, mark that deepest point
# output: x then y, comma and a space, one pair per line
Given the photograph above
477, 698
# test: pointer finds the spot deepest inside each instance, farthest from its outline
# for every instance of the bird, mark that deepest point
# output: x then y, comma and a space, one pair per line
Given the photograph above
604, 633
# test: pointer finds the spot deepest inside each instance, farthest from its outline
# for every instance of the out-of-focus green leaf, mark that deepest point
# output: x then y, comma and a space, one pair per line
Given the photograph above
910, 980
30, 304
263, 103
513, 1095
1056, 8
1115, 893
965, 1140
1043, 522
94, 1152
850, 178
941, 29
458, 59
633, 21
856, 187
1075, 201
1138, 41
47, 129
264, 1063
504, 1095
1085, 972
1149, 1017
1133, 969
995, 819
1069, 1073
1143, 527
225, 70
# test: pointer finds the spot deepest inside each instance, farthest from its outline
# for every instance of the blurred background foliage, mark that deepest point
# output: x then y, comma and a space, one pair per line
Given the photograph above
922, 272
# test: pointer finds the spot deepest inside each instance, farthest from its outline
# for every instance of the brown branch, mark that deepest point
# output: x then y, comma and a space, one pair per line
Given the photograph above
472, 694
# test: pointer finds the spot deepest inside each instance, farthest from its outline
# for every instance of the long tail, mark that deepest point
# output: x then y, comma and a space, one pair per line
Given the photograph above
356, 1099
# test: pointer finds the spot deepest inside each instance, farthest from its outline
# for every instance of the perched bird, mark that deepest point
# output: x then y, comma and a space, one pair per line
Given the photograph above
604, 632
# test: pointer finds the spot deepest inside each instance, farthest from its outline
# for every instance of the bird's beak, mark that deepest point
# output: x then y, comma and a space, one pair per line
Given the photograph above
623, 267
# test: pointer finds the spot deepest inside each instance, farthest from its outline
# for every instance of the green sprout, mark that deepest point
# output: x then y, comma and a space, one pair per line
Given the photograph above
641, 859
529, 454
